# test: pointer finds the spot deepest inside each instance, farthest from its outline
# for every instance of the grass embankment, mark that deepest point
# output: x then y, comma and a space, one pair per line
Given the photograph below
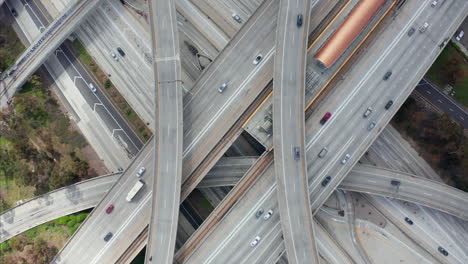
40, 244
451, 67
10, 46
125, 109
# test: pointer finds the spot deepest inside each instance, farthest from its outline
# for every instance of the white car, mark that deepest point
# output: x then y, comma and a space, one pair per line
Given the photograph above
141, 171
460, 35
255, 241
268, 215
114, 56
345, 159
91, 86
258, 59
434, 3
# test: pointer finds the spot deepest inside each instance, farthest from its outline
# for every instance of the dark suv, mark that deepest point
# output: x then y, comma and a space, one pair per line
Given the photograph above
409, 221
389, 104
299, 20
108, 236
387, 75
326, 181
121, 52
443, 251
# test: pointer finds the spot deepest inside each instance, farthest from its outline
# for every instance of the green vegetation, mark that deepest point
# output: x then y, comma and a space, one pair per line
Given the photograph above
451, 68
39, 152
440, 140
85, 57
10, 46
35, 246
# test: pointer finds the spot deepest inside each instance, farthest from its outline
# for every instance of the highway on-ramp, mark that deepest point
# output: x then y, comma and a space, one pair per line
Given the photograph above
168, 132
288, 131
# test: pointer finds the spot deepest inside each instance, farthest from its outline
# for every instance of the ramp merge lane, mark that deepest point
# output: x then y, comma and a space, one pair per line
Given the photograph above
168, 132
288, 131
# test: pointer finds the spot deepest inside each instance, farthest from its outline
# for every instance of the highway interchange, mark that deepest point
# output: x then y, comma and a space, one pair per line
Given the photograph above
209, 116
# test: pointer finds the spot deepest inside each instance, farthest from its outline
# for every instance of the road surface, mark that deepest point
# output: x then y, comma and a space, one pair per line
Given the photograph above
289, 134
344, 136
443, 102
168, 133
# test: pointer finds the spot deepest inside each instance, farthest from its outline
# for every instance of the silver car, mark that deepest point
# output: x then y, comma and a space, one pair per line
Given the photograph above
323, 152
255, 241
114, 56
367, 112
371, 126
345, 159
237, 18
222, 87
141, 171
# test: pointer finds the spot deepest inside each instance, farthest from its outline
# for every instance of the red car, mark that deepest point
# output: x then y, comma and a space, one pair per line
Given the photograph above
109, 209
325, 118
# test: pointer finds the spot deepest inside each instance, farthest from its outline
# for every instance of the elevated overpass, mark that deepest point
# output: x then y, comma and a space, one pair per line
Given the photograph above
168, 132
347, 116
288, 131
203, 128
42, 47
365, 179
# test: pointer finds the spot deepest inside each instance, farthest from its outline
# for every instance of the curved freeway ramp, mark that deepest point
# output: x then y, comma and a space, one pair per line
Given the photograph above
289, 132
168, 132
52, 205
411, 188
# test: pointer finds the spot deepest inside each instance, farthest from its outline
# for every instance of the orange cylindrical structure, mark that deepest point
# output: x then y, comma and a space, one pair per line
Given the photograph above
357, 20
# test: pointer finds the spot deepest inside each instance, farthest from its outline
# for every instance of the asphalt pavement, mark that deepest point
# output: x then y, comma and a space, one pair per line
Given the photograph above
168, 133
289, 133
443, 102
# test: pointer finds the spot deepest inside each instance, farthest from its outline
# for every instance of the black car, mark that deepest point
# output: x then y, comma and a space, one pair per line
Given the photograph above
389, 104
395, 182
326, 181
297, 153
409, 221
108, 236
299, 20
387, 75
443, 251
411, 31
13, 12
121, 52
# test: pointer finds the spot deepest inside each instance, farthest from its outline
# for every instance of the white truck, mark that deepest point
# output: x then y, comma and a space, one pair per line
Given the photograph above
135, 189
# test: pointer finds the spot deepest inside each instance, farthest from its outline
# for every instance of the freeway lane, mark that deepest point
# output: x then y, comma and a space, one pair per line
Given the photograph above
288, 131
168, 132
362, 178
443, 102
347, 131
208, 115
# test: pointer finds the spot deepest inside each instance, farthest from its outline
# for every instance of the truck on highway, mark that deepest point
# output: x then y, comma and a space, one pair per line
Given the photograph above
135, 189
